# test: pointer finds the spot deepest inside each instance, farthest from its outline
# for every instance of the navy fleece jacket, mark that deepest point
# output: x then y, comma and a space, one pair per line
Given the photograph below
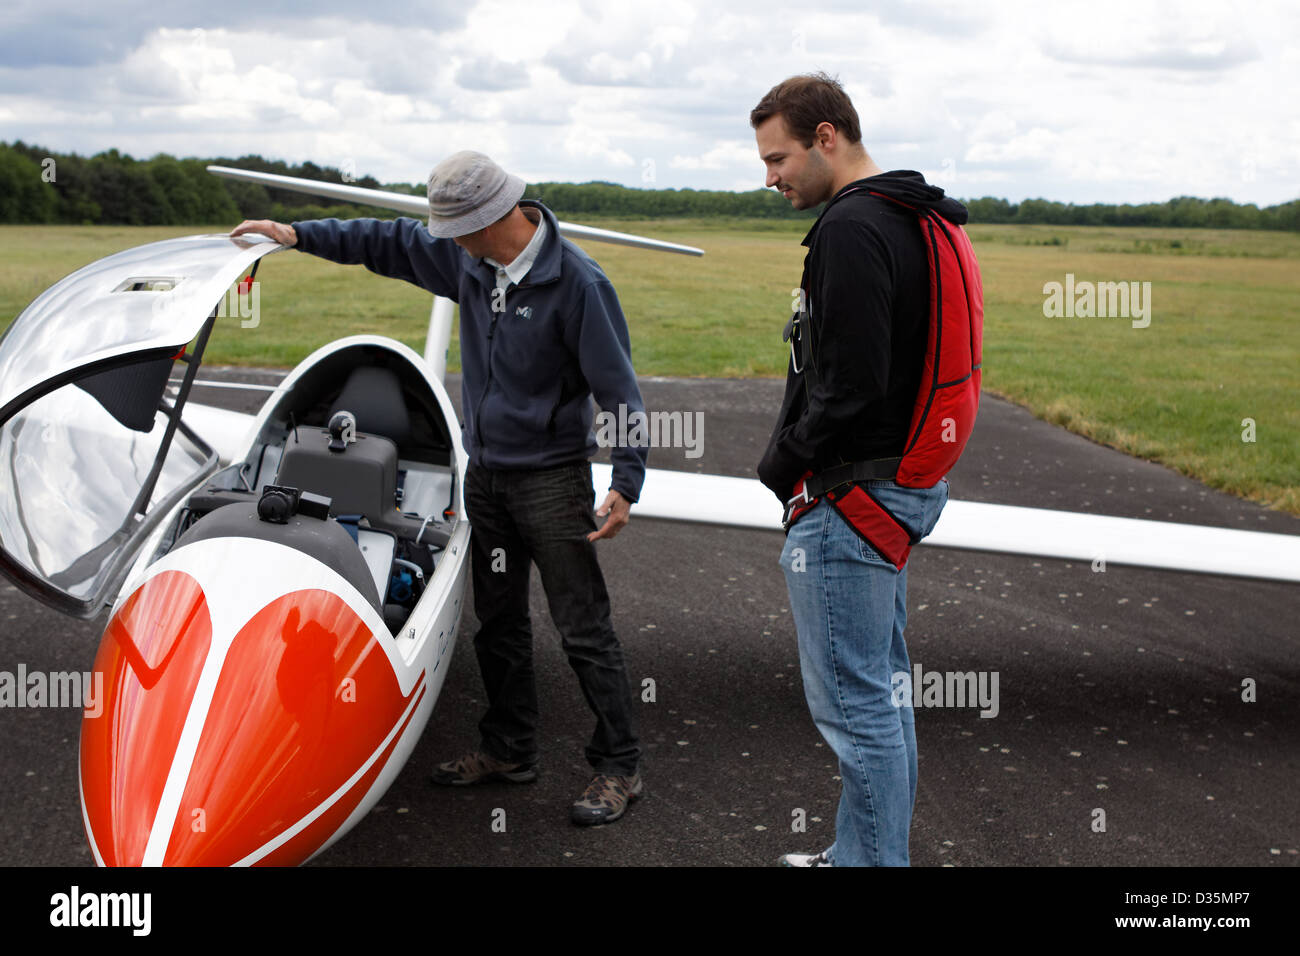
530, 366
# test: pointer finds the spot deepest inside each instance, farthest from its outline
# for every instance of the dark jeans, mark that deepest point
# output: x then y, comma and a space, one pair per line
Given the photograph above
544, 516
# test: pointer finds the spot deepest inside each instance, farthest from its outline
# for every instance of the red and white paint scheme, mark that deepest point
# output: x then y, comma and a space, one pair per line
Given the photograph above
257, 705
264, 681
249, 719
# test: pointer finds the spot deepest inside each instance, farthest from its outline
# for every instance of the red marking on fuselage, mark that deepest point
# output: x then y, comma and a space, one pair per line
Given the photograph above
306, 696
151, 656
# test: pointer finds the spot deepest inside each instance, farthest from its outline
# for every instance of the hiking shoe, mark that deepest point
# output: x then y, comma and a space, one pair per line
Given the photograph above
478, 767
605, 799
805, 859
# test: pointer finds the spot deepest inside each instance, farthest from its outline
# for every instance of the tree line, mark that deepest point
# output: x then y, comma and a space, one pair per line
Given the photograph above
111, 188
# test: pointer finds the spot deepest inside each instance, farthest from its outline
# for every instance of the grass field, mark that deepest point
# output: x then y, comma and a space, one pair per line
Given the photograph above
1222, 346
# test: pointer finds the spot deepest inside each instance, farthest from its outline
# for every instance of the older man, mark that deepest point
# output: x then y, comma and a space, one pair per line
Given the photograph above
541, 332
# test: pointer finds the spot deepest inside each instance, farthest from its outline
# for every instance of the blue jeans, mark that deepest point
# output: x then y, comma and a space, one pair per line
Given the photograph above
850, 607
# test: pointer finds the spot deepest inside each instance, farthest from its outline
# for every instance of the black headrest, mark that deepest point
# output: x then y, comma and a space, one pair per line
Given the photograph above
374, 396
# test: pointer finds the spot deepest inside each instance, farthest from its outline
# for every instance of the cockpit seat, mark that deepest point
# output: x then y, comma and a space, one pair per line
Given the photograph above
374, 397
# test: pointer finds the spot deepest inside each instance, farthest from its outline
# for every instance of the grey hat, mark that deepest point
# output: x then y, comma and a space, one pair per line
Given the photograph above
467, 191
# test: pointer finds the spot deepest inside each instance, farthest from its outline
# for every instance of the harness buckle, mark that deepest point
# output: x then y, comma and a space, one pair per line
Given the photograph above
791, 335
794, 504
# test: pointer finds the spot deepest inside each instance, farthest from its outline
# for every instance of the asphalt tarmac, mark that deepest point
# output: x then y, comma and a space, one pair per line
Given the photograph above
1121, 737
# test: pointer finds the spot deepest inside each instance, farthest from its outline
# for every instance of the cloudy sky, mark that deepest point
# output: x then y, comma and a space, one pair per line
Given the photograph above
1093, 101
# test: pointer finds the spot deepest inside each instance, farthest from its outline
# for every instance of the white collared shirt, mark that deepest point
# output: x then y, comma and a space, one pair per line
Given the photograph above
518, 268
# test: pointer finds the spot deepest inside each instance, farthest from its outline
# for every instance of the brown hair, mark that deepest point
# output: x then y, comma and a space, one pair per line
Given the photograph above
806, 101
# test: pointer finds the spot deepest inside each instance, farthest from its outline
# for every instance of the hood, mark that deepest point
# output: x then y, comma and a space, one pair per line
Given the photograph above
909, 186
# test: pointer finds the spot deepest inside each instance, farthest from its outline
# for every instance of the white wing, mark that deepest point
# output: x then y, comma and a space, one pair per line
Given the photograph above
440, 316
976, 526
229, 433
417, 206
969, 525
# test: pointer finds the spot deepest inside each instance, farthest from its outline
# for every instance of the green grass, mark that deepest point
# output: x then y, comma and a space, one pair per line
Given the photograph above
1223, 344
1217, 243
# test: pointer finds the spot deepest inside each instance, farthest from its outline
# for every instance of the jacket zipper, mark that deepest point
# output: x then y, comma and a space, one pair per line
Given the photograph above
478, 425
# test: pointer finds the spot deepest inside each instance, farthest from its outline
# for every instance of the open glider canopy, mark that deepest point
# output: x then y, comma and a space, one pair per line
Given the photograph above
135, 304
93, 451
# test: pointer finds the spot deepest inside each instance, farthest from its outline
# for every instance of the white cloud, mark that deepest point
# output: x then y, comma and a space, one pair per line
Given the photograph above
727, 155
1093, 100
586, 143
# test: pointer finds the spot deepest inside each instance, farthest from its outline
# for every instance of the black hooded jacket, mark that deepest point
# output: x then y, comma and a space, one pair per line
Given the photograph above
866, 284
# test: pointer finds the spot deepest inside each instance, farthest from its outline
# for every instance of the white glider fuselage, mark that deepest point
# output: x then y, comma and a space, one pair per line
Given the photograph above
270, 659
257, 701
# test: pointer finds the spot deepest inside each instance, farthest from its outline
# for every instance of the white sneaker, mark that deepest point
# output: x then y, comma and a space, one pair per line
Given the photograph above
805, 859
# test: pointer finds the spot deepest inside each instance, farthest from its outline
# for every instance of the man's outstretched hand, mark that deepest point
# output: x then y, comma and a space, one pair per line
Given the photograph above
617, 507
284, 235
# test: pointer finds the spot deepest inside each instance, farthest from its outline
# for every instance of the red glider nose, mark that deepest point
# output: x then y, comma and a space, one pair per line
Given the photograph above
255, 747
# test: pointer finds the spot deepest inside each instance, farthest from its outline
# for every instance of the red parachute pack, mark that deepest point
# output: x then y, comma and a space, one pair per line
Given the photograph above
946, 403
